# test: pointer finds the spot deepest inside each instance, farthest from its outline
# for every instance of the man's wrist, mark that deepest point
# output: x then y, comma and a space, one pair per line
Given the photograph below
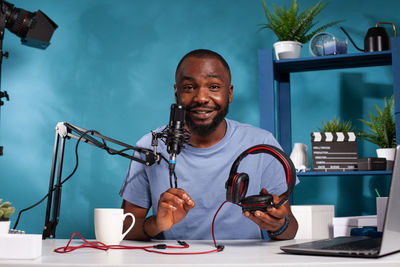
146, 225
282, 229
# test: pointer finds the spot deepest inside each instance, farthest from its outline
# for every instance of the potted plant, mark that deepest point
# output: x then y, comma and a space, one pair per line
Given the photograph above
382, 130
5, 213
334, 147
336, 125
292, 28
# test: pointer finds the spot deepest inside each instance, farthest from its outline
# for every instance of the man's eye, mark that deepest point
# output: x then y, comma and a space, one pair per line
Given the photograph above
214, 87
187, 87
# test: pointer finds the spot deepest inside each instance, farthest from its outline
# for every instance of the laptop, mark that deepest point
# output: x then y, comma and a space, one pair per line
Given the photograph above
363, 246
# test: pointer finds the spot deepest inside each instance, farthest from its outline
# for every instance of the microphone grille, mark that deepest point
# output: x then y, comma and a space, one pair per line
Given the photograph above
177, 113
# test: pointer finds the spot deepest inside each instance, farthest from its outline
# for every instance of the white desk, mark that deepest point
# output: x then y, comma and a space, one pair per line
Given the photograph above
236, 253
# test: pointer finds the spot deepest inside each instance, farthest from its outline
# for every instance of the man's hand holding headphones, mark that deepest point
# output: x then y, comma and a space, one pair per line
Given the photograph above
278, 222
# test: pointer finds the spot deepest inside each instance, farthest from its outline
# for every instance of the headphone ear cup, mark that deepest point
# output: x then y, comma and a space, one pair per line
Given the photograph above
238, 189
257, 202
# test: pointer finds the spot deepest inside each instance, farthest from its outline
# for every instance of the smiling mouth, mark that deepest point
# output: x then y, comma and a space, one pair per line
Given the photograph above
201, 111
201, 114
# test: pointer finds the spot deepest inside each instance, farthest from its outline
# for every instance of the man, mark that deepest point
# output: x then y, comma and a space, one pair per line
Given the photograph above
203, 85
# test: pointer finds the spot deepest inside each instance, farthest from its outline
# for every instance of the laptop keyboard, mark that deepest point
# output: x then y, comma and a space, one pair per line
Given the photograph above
359, 245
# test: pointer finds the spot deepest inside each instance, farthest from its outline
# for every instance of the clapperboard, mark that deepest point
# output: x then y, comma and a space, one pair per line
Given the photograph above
334, 151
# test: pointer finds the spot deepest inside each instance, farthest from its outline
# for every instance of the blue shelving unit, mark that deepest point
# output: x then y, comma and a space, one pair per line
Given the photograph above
274, 84
274, 88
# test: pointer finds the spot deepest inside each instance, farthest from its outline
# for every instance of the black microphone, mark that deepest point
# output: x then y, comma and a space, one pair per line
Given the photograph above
176, 136
176, 132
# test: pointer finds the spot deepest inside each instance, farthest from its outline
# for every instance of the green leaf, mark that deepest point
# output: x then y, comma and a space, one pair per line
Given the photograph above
289, 25
5, 204
6, 210
382, 126
336, 125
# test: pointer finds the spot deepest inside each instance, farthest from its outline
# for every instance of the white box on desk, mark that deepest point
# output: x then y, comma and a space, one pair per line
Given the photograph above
315, 221
20, 246
343, 225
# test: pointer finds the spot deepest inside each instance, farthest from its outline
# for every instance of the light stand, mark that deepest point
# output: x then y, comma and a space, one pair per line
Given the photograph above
65, 131
34, 28
2, 29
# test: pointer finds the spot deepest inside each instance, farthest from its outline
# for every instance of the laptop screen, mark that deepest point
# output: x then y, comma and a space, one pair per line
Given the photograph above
391, 228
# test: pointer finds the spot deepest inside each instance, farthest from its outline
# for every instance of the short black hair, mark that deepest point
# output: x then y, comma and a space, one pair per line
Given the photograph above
205, 53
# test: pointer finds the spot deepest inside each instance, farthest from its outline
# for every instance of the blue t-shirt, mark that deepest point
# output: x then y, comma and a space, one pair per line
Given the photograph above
202, 173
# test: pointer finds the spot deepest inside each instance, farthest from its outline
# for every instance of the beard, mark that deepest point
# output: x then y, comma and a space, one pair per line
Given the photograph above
206, 129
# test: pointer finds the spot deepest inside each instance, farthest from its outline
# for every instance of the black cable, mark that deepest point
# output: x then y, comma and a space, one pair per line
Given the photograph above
173, 174
66, 179
176, 180
31, 207
108, 149
76, 167
184, 136
170, 178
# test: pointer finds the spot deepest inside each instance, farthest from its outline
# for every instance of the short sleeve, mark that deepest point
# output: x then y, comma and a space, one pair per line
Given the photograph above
135, 188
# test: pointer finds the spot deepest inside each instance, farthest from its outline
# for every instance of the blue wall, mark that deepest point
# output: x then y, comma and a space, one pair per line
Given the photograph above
111, 66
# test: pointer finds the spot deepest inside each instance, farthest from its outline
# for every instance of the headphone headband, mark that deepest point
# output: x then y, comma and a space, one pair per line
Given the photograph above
288, 166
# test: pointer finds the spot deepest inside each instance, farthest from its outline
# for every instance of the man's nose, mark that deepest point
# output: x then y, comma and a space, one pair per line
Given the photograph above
202, 95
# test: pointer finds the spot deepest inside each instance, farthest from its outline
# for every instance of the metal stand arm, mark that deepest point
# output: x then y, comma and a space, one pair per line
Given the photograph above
65, 130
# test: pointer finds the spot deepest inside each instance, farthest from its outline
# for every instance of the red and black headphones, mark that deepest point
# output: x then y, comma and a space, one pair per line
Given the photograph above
237, 183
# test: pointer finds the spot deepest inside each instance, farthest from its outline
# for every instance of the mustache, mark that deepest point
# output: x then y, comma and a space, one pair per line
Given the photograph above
216, 107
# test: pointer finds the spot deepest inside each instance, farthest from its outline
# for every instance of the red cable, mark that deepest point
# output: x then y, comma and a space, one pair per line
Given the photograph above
102, 246
212, 225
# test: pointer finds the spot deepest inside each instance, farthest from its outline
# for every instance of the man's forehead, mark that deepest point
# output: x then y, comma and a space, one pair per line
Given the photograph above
183, 77
215, 68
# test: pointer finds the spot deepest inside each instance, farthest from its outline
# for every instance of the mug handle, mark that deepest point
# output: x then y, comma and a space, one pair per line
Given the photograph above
131, 226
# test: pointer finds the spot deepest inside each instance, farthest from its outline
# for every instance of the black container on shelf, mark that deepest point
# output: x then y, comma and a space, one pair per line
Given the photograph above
371, 164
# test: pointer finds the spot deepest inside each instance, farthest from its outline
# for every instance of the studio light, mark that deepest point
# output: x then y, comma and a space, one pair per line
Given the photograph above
35, 29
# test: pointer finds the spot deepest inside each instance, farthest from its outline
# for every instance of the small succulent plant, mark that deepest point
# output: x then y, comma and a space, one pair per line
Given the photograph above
336, 125
6, 210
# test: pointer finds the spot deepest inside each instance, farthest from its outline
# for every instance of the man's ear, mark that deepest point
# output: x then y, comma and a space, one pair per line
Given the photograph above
230, 93
176, 93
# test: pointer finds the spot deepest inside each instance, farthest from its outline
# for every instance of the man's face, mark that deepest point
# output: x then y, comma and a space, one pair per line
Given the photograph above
203, 86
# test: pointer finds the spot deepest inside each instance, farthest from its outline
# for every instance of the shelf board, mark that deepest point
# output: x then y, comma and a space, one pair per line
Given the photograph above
354, 60
351, 173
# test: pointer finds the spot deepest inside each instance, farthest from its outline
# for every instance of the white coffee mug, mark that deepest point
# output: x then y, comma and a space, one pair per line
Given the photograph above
108, 225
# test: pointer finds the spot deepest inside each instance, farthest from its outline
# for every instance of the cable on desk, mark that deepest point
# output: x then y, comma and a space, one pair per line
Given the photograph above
153, 248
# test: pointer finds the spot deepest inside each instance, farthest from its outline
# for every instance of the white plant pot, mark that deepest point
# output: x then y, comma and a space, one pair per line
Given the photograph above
4, 227
287, 49
387, 153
